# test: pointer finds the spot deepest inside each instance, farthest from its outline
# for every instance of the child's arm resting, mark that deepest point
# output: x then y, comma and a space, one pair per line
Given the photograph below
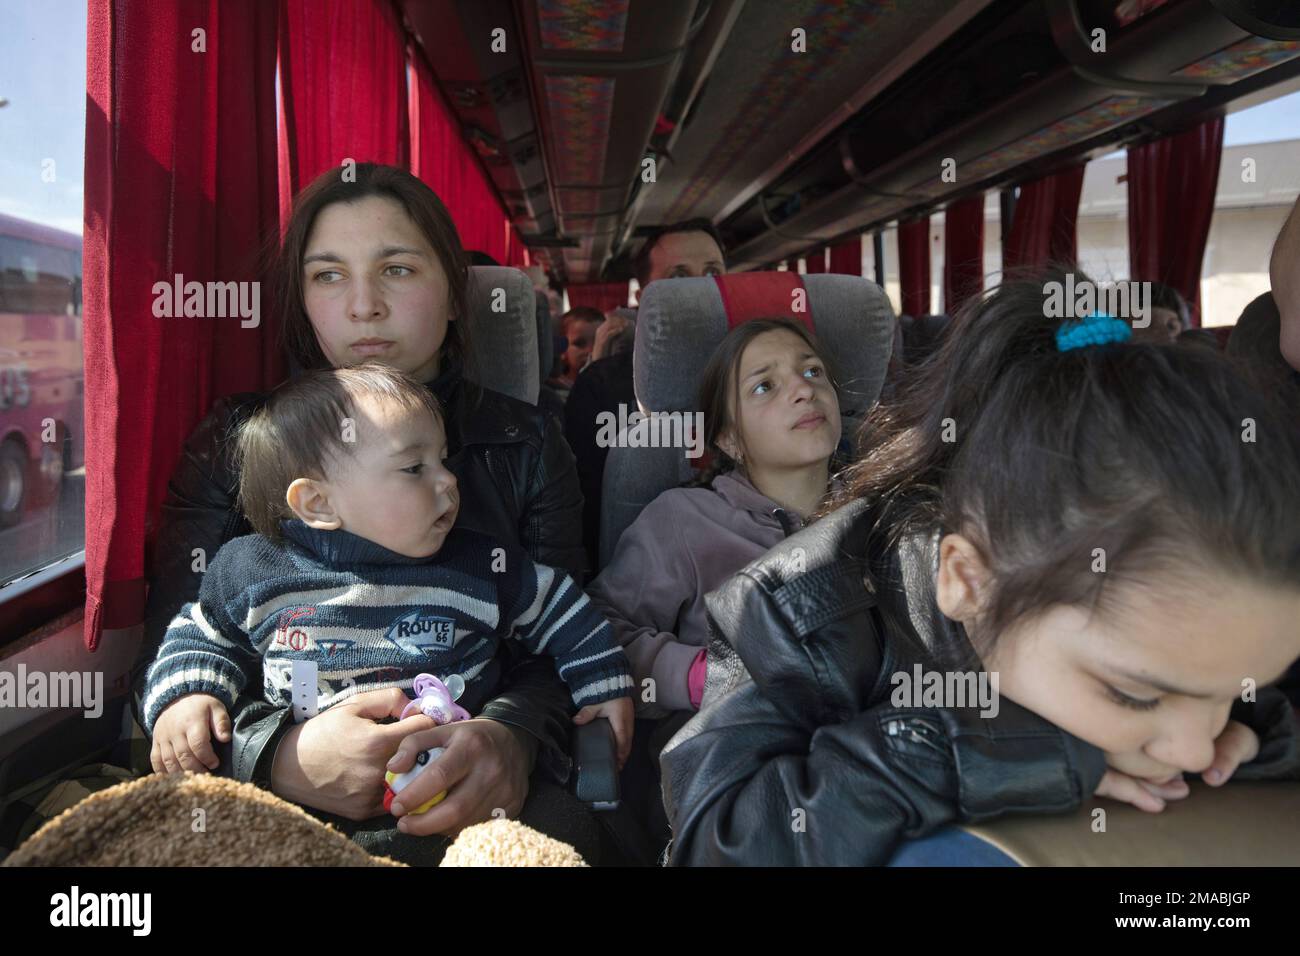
744, 784
562, 622
196, 657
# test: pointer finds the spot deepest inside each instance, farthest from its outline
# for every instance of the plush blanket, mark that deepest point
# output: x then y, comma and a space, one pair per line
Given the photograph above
204, 820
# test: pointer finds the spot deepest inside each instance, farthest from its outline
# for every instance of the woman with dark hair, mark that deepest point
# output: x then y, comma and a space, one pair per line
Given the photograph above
1021, 602
373, 268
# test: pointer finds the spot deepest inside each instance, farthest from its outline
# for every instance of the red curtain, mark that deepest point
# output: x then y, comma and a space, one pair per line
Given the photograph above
598, 295
343, 80
441, 157
183, 183
963, 252
815, 262
180, 181
914, 265
1171, 188
1043, 229
846, 257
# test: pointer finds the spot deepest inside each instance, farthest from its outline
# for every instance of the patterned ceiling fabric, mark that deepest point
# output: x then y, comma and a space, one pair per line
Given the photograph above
596, 25
574, 202
579, 109
1242, 59
763, 97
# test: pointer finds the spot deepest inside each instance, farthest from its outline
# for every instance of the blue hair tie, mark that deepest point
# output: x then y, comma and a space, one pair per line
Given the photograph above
1096, 329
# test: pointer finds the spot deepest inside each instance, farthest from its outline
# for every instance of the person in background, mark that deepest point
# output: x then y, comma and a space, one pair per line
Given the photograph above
681, 250
687, 249
1169, 316
615, 335
579, 326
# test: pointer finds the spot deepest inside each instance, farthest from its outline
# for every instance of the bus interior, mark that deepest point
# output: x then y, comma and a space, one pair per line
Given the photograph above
820, 139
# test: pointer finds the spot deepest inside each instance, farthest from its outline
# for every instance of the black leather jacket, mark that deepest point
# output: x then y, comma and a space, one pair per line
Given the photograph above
517, 481
797, 755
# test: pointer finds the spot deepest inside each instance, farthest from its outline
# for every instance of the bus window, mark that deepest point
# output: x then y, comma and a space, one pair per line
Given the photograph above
37, 279
42, 452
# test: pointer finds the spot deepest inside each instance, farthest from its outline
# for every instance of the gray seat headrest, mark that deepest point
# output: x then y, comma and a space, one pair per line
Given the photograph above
680, 324
504, 354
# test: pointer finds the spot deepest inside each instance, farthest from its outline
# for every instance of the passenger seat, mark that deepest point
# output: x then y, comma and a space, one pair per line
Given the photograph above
503, 347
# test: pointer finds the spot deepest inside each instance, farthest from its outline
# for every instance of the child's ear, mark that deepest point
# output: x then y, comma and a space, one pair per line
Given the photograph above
308, 500
962, 587
727, 442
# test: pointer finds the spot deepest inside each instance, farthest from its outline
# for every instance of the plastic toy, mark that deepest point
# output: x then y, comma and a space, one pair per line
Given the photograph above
437, 700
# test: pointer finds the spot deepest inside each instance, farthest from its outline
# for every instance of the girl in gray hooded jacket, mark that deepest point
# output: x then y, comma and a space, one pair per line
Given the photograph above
772, 424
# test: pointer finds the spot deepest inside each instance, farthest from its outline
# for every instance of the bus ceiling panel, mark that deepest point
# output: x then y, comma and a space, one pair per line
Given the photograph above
981, 151
1044, 123
600, 72
476, 55
1275, 19
1145, 57
582, 262
519, 175
766, 103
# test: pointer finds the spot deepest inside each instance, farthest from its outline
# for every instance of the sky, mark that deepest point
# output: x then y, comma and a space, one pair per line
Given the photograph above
43, 75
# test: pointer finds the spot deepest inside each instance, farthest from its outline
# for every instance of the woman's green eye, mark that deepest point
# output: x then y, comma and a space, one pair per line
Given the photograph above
325, 276
406, 270
761, 387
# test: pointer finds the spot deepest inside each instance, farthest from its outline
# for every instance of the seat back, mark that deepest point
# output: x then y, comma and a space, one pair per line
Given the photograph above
681, 322
504, 353
545, 341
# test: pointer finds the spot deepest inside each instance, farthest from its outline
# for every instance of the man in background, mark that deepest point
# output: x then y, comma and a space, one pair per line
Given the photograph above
681, 250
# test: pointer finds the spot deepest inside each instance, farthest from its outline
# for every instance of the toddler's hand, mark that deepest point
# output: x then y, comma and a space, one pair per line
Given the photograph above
182, 734
621, 714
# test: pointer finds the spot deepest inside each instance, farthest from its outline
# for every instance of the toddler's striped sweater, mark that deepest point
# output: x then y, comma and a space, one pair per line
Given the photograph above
371, 618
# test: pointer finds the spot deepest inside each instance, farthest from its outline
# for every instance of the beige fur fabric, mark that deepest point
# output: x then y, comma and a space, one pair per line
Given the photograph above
153, 822
508, 843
